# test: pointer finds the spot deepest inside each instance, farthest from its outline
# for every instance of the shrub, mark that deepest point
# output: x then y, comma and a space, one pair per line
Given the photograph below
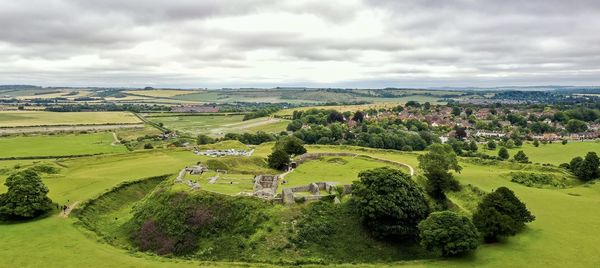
174, 222
503, 154
148, 146
204, 139
491, 145
45, 168
537, 180
449, 233
521, 157
316, 224
389, 202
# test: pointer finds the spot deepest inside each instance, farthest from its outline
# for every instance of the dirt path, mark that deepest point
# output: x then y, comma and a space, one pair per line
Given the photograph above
117, 141
282, 175
412, 170
70, 208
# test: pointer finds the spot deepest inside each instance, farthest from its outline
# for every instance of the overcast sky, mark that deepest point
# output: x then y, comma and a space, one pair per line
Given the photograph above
344, 43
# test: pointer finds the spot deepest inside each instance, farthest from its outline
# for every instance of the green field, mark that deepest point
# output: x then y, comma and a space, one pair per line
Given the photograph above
553, 153
59, 145
341, 170
219, 125
563, 235
40, 118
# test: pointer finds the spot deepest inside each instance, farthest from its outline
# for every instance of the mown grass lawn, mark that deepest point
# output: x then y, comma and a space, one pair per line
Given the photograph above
59, 145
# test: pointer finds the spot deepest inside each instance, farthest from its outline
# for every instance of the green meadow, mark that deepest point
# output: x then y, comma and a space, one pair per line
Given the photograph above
552, 153
59, 145
341, 170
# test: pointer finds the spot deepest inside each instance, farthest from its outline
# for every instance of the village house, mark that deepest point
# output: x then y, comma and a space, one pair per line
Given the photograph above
489, 134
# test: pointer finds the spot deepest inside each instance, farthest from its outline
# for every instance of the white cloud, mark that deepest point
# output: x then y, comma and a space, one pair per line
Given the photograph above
355, 43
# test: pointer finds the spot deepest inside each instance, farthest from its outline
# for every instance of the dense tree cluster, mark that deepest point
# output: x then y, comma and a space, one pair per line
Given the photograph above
331, 127
390, 203
585, 168
261, 113
250, 138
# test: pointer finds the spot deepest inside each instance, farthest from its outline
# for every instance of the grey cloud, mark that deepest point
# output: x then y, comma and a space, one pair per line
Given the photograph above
421, 41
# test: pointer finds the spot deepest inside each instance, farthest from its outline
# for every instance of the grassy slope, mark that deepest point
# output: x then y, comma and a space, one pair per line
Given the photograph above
59, 145
563, 234
38, 118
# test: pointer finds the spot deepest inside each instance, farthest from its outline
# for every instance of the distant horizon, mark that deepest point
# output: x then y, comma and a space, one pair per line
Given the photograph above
541, 87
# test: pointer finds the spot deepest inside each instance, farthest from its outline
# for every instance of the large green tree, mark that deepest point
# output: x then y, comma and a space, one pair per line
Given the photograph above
501, 213
586, 168
279, 159
449, 233
390, 202
291, 145
575, 126
436, 165
26, 196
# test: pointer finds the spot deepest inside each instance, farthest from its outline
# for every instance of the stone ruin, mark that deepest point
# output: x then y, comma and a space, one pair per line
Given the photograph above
196, 170
193, 170
265, 186
315, 188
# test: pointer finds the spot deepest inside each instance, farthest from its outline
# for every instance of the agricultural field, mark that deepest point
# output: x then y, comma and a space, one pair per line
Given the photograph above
314, 96
219, 125
159, 93
552, 153
59, 145
41, 118
68, 94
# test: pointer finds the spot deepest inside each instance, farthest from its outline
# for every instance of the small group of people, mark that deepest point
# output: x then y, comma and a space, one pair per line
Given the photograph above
64, 207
